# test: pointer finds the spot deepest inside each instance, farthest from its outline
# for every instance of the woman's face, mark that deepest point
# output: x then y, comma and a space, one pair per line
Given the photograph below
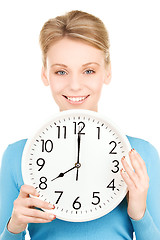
75, 72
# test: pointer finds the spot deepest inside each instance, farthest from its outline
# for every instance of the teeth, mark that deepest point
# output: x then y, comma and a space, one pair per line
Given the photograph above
76, 99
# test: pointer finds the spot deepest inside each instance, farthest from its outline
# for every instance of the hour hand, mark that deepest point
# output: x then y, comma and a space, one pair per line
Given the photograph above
62, 174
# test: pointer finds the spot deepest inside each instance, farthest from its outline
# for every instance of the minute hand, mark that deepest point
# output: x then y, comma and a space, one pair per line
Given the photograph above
78, 165
79, 141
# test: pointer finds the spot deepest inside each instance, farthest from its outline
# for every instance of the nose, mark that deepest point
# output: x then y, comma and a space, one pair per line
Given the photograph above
75, 83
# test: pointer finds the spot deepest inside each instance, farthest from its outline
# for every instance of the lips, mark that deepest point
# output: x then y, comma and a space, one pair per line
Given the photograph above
76, 99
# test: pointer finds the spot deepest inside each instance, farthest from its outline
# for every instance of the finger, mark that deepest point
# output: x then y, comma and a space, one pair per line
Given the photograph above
35, 213
26, 220
140, 161
38, 203
132, 175
128, 181
26, 190
136, 163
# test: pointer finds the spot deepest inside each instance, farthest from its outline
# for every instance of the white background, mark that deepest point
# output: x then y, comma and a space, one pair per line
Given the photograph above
131, 100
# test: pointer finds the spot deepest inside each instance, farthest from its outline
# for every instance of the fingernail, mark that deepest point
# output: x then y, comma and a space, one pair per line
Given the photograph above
122, 170
123, 158
131, 150
51, 206
51, 217
37, 194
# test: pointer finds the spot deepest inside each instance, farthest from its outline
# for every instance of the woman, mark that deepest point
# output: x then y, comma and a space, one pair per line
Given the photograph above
76, 64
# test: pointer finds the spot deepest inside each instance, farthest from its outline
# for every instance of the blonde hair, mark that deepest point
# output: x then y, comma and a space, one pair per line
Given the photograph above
75, 25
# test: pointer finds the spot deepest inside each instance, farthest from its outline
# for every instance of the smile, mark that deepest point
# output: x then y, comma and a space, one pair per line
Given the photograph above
76, 99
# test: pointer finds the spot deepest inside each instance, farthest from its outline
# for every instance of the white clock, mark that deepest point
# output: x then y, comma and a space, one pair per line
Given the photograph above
74, 162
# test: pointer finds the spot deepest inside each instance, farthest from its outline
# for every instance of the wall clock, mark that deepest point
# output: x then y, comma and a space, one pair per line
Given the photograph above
74, 162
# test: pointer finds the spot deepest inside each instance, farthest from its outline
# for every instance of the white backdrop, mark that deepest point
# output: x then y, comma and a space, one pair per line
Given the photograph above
131, 100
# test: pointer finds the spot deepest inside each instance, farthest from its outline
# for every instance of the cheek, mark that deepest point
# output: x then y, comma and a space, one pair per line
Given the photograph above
97, 84
56, 85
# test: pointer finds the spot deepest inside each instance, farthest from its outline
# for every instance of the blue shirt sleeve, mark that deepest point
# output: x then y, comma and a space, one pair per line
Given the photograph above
9, 191
149, 226
145, 228
6, 235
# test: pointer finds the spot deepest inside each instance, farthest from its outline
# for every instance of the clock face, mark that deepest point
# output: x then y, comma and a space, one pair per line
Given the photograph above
74, 162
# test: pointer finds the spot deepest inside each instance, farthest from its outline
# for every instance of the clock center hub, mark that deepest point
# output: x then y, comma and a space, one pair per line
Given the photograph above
78, 165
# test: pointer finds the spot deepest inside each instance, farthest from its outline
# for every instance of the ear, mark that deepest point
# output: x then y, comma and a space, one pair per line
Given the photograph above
108, 74
44, 77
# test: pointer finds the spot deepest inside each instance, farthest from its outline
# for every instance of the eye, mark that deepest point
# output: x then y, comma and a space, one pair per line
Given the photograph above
60, 72
89, 71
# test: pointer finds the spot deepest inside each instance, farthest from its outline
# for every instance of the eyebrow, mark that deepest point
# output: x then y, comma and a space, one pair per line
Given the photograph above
84, 65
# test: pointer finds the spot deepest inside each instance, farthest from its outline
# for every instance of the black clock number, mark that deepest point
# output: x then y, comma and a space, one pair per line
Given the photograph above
116, 166
47, 145
43, 184
76, 204
111, 185
96, 198
114, 144
59, 131
40, 162
81, 127
61, 192
98, 132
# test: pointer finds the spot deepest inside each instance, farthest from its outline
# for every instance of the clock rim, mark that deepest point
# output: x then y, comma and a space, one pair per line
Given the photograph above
53, 118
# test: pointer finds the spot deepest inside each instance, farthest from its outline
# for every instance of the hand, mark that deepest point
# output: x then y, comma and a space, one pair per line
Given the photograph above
137, 181
24, 212
62, 174
78, 164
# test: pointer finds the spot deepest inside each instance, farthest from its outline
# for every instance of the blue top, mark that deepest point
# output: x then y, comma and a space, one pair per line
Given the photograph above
115, 225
